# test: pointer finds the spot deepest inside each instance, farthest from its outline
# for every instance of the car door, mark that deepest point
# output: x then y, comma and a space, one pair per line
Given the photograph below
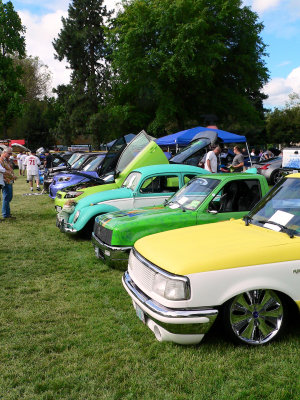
155, 189
234, 199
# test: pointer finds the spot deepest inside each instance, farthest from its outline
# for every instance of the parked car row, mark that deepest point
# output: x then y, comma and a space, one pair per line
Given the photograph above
195, 246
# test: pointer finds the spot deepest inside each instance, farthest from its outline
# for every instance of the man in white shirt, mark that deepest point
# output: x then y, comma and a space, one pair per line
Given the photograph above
22, 160
211, 162
32, 163
19, 156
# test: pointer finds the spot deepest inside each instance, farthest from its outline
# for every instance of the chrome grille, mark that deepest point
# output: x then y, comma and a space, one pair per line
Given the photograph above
103, 233
142, 275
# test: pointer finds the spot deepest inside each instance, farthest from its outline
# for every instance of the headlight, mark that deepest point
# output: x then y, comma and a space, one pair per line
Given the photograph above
76, 216
71, 195
64, 179
171, 289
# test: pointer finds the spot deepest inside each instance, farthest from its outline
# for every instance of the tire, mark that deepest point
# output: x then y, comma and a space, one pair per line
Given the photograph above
275, 176
255, 318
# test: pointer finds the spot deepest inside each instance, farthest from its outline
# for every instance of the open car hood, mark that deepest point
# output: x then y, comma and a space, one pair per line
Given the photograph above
121, 154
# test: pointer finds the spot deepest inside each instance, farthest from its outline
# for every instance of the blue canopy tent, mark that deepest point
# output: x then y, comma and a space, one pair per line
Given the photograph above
183, 138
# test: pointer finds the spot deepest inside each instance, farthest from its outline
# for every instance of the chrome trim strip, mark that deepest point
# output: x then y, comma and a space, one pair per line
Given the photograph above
160, 310
98, 242
118, 255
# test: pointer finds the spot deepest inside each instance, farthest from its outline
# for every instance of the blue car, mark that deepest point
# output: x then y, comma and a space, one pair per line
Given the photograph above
87, 173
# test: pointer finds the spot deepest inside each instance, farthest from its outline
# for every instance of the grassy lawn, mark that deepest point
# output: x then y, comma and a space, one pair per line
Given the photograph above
68, 330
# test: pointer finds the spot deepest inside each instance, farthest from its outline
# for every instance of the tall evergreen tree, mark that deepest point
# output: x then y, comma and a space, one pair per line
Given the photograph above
12, 44
82, 43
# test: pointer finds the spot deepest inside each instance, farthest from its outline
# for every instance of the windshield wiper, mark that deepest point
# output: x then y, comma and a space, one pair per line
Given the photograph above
247, 219
285, 229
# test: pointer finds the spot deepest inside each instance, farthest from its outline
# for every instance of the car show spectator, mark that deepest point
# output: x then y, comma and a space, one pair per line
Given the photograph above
211, 161
8, 180
48, 160
267, 155
32, 164
238, 161
19, 159
22, 159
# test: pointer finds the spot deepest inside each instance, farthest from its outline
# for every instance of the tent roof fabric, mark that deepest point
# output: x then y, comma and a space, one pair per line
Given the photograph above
185, 137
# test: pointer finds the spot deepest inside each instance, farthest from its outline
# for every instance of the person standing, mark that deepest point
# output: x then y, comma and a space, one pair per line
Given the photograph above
211, 161
238, 161
22, 159
8, 178
19, 159
32, 164
48, 160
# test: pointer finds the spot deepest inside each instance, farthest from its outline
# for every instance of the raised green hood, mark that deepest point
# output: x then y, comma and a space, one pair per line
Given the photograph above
129, 226
222, 245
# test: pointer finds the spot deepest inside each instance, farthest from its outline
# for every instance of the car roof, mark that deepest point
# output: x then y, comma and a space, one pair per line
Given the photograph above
154, 169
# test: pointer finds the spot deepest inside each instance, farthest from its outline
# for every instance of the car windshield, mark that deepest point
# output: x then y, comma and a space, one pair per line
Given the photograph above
193, 193
94, 163
280, 207
74, 157
77, 164
132, 180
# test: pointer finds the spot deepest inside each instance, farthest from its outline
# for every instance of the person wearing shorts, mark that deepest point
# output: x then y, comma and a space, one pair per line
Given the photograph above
32, 165
22, 160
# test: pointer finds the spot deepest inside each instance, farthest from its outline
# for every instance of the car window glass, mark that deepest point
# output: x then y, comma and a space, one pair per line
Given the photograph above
284, 198
188, 177
74, 158
93, 164
237, 196
133, 149
193, 193
79, 162
132, 180
160, 184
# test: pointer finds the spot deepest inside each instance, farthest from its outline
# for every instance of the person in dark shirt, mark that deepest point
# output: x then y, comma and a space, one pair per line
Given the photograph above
48, 160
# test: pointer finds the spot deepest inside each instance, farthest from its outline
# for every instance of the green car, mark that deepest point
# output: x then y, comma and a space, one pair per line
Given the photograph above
203, 200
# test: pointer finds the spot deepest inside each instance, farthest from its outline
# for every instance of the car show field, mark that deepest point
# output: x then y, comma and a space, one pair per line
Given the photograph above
68, 330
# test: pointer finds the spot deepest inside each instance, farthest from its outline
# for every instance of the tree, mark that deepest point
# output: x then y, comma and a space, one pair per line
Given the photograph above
82, 43
12, 44
174, 61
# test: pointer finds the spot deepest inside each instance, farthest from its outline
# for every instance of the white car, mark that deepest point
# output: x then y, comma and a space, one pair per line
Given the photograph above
245, 272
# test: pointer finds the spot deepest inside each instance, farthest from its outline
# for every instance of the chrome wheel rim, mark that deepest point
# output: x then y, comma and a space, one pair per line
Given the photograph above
256, 316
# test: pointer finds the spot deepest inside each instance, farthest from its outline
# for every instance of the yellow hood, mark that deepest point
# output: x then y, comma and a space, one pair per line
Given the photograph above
217, 246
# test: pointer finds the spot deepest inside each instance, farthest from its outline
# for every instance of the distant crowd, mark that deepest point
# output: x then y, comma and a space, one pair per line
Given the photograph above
27, 162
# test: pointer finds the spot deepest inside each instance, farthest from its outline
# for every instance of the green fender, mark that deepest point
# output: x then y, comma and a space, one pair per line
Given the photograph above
90, 212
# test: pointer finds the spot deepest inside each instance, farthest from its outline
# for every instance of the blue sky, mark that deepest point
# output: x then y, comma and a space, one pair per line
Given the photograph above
281, 33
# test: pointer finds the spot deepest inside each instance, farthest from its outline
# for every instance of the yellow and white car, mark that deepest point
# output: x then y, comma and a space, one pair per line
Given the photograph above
245, 272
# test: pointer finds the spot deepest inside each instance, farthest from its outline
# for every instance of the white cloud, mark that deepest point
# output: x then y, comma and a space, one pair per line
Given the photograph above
278, 89
40, 33
41, 30
263, 5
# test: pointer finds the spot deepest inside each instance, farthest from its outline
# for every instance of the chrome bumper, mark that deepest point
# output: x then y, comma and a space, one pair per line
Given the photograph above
184, 326
115, 256
64, 227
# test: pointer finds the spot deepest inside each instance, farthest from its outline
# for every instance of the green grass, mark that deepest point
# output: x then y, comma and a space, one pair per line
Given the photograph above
68, 330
